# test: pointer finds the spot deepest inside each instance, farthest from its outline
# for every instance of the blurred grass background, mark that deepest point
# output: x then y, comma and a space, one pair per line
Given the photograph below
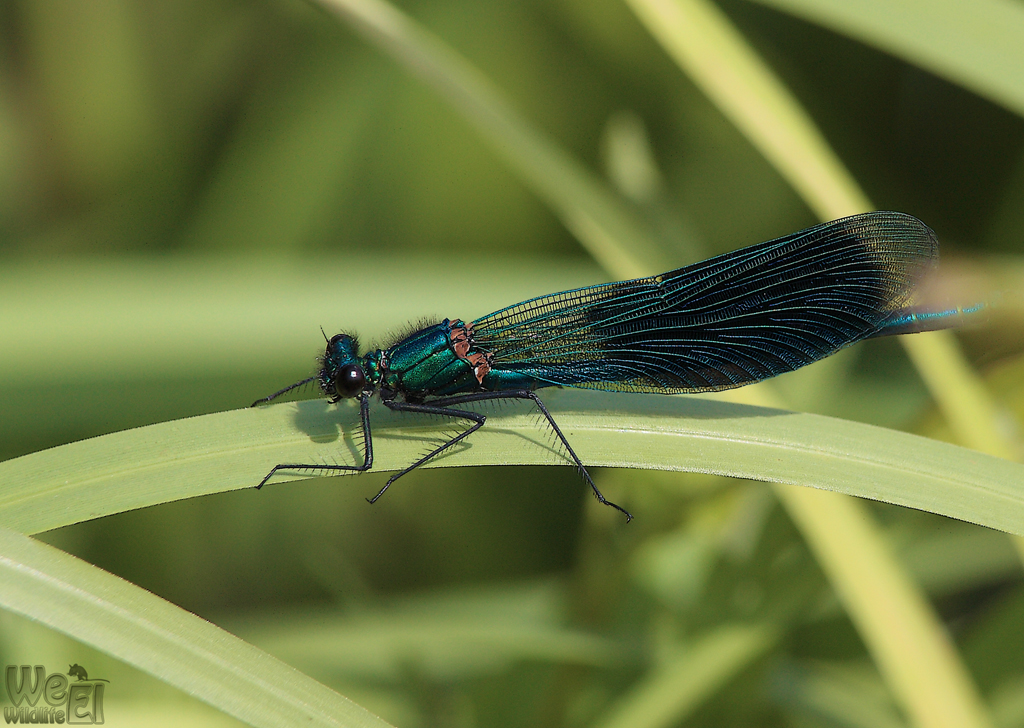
189, 190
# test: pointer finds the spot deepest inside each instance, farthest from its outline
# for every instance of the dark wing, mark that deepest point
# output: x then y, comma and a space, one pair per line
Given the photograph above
728, 321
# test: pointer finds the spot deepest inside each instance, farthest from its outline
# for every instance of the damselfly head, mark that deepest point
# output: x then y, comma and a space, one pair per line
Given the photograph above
342, 375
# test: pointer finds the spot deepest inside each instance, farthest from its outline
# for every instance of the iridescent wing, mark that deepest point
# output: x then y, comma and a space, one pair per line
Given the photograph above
725, 322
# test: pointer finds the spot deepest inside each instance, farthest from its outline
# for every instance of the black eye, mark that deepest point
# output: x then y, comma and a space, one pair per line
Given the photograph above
350, 381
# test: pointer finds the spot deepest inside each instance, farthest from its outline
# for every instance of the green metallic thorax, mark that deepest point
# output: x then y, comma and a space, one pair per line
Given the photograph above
432, 362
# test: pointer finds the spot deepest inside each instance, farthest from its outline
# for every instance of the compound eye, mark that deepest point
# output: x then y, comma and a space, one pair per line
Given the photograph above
350, 381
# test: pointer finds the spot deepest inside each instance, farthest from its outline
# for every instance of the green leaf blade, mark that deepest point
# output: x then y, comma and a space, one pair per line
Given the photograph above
236, 449
976, 45
179, 648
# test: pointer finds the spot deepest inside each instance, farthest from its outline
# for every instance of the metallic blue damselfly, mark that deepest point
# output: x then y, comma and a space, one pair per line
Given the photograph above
731, 320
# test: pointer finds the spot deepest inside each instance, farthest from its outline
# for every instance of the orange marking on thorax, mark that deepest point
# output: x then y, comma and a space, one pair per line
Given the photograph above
462, 341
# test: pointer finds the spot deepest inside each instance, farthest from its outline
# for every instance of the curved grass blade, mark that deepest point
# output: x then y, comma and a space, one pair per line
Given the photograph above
909, 634
711, 51
234, 450
126, 621
446, 635
976, 45
598, 217
672, 691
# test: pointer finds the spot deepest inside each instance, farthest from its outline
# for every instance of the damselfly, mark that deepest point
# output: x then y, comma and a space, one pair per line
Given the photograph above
731, 320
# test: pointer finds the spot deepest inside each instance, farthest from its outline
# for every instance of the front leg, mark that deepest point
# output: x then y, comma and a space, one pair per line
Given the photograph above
364, 416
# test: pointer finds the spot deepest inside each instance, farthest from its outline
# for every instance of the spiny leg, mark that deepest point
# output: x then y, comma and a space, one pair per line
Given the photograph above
278, 393
364, 415
444, 403
431, 409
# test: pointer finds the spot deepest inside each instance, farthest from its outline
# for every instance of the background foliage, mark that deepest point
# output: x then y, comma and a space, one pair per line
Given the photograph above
189, 190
